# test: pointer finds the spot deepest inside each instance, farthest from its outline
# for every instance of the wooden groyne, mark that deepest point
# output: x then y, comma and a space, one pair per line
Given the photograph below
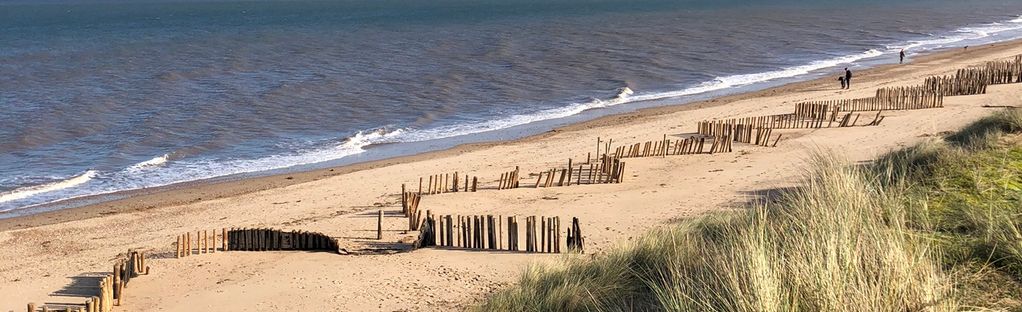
971, 81
508, 180
609, 170
489, 232
894, 98
446, 183
410, 208
272, 239
111, 286
257, 239
205, 241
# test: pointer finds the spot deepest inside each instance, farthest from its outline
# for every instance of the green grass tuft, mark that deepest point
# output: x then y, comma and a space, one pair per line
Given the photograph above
934, 227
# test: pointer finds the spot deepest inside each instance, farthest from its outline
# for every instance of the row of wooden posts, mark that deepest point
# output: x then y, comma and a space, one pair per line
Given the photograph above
1004, 72
488, 232
971, 81
273, 239
508, 180
204, 242
252, 240
816, 114
447, 183
893, 98
609, 170
758, 130
822, 114
410, 209
669, 147
111, 286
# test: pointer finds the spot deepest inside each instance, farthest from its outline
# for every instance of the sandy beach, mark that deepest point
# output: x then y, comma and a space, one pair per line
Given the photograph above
48, 254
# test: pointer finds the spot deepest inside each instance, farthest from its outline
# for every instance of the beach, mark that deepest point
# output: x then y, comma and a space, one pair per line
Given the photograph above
48, 253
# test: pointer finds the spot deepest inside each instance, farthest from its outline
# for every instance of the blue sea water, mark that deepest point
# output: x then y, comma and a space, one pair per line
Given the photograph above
98, 97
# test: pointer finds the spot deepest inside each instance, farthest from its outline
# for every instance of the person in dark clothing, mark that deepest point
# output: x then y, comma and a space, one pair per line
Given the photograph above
902, 61
842, 80
848, 79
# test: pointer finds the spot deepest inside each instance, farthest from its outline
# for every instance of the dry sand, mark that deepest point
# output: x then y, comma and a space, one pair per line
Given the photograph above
47, 257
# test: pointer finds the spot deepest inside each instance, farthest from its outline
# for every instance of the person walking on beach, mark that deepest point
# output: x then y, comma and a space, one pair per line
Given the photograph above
842, 80
848, 78
902, 61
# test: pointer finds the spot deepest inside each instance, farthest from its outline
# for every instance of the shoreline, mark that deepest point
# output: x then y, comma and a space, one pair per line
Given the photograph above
226, 187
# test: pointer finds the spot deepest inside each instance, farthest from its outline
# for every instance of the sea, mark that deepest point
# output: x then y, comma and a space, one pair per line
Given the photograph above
102, 97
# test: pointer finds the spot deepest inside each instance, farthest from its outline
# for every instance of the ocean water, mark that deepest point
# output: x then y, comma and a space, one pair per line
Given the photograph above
98, 97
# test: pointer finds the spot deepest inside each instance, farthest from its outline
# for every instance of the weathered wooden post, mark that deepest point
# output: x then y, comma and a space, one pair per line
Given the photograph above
379, 225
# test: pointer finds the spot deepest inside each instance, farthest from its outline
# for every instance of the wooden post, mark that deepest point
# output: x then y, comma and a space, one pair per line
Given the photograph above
379, 225
663, 146
557, 244
569, 171
119, 291
118, 271
542, 234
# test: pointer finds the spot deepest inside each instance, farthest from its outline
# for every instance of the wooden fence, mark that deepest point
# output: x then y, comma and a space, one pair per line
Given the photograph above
111, 286
252, 240
204, 242
410, 208
608, 170
758, 130
894, 98
671, 147
489, 232
508, 180
1003, 72
750, 130
271, 239
970, 81
446, 183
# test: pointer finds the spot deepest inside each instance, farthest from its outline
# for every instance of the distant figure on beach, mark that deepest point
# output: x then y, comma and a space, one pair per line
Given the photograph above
848, 78
902, 61
842, 80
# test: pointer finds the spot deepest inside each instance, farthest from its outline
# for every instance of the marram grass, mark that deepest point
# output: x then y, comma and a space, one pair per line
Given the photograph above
918, 230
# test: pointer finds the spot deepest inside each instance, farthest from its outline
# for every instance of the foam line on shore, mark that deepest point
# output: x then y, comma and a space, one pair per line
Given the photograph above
162, 170
29, 191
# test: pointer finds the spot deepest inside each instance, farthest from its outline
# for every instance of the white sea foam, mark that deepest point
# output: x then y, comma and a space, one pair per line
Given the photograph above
182, 170
627, 95
154, 162
968, 33
29, 191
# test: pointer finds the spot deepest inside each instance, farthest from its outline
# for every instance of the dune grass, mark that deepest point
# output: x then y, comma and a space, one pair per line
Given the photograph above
934, 227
